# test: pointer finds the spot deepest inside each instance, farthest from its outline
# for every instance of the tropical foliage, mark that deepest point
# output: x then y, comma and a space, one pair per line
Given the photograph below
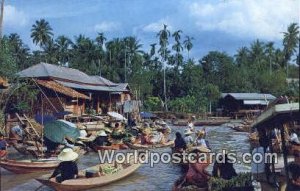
190, 85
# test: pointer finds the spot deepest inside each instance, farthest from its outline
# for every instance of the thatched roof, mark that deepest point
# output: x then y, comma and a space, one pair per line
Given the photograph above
61, 89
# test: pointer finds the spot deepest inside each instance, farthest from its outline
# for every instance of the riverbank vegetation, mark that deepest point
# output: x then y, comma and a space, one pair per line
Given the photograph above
191, 84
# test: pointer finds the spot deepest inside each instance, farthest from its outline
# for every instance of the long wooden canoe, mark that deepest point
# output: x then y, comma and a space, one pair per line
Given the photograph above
111, 147
179, 185
28, 166
84, 183
140, 146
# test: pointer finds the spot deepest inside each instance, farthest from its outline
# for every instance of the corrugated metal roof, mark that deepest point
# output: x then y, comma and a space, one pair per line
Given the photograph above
88, 87
123, 86
256, 102
50, 70
104, 81
249, 96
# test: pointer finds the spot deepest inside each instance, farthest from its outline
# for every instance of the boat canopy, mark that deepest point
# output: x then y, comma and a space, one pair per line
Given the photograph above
147, 115
277, 114
57, 130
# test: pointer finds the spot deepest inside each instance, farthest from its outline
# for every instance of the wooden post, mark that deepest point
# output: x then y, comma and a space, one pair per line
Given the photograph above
272, 162
282, 132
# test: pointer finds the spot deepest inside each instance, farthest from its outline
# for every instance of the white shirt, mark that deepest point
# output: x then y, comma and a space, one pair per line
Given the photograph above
294, 138
189, 139
258, 167
191, 126
201, 142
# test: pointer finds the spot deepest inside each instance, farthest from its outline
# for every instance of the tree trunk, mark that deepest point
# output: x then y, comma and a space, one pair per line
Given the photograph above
1, 18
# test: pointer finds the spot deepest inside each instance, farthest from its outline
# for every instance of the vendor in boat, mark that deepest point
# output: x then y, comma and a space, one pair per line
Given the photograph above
197, 174
67, 168
223, 168
18, 131
294, 169
102, 139
146, 136
201, 140
118, 132
294, 140
180, 144
3, 146
191, 125
51, 146
188, 138
157, 138
260, 170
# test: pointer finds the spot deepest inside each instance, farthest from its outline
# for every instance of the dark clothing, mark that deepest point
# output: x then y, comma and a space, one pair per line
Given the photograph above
101, 141
3, 145
51, 146
67, 169
180, 143
224, 170
293, 187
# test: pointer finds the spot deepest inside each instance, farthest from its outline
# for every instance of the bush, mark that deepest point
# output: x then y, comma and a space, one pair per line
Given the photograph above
152, 104
242, 180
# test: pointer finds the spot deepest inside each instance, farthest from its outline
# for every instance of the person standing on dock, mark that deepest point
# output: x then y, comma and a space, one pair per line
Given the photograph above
191, 124
3, 146
258, 170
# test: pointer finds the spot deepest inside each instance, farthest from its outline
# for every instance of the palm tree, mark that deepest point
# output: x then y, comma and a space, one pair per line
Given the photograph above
41, 32
290, 42
100, 39
178, 48
163, 41
270, 53
242, 56
188, 44
153, 50
163, 35
51, 51
19, 50
257, 54
1, 18
63, 44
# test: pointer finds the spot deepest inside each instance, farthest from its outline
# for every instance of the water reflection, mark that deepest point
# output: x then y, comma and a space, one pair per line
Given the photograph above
161, 177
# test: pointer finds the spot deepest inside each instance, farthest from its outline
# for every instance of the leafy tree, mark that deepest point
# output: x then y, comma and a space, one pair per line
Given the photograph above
188, 44
290, 42
41, 32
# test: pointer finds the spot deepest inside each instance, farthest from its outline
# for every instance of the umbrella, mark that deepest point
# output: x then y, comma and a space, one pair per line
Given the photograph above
116, 115
57, 130
147, 115
62, 114
42, 119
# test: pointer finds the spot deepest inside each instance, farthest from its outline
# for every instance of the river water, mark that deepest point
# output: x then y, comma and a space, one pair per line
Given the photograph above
160, 177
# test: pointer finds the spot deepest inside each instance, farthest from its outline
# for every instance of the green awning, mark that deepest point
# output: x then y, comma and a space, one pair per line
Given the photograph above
57, 130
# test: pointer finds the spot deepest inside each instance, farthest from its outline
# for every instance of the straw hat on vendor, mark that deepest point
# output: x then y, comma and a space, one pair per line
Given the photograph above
187, 132
146, 131
102, 134
200, 134
67, 154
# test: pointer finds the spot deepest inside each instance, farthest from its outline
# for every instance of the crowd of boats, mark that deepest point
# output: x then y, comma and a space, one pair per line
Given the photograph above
56, 144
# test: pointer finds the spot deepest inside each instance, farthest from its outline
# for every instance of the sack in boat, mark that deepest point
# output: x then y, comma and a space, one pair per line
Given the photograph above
3, 153
91, 173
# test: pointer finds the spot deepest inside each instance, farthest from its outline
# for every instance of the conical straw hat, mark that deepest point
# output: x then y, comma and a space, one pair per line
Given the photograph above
67, 154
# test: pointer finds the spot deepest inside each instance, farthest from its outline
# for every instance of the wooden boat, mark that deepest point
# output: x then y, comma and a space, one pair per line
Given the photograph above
140, 146
111, 147
211, 122
83, 183
28, 166
179, 186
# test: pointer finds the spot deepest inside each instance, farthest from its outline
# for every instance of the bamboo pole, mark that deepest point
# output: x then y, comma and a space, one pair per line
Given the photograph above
1, 18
